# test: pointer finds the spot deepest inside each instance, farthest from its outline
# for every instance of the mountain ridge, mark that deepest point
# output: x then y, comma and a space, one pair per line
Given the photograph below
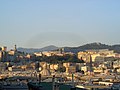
32, 50
89, 46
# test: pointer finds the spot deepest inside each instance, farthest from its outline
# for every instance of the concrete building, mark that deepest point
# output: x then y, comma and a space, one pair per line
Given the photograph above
97, 55
4, 56
4, 48
85, 68
70, 67
38, 54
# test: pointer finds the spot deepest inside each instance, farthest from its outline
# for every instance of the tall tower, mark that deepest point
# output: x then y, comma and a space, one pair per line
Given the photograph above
91, 70
15, 48
15, 53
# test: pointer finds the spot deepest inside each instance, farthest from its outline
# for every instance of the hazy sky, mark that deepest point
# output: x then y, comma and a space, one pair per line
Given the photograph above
38, 23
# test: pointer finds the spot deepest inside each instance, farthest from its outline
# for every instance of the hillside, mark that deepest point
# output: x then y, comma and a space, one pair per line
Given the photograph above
116, 48
93, 46
32, 50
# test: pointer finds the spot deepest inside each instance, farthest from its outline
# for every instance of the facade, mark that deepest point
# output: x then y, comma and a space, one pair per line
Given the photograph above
38, 54
97, 55
4, 56
70, 67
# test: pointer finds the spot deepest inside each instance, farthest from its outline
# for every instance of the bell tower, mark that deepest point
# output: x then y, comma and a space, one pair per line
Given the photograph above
15, 48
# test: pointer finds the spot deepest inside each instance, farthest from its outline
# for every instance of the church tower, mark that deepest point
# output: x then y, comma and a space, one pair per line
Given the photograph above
15, 53
15, 48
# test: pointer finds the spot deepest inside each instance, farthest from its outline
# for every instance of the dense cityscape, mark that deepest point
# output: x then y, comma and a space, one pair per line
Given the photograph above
89, 69
59, 45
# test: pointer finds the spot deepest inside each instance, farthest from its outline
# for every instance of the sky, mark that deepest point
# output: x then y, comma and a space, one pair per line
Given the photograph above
39, 23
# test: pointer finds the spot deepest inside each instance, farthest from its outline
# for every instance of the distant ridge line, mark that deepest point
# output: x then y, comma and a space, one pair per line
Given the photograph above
89, 46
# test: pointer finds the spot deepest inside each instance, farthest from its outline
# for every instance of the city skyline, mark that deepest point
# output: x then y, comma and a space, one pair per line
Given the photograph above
36, 24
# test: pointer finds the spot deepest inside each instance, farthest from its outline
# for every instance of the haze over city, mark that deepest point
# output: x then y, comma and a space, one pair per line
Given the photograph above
39, 23
59, 45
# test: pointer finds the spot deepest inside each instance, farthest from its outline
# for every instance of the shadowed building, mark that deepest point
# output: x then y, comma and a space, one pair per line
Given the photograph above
4, 54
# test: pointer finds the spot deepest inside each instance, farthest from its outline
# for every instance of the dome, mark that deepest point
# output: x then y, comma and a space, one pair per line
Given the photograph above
45, 66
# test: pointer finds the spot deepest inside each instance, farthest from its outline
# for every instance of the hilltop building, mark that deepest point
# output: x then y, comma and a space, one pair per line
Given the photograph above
10, 56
